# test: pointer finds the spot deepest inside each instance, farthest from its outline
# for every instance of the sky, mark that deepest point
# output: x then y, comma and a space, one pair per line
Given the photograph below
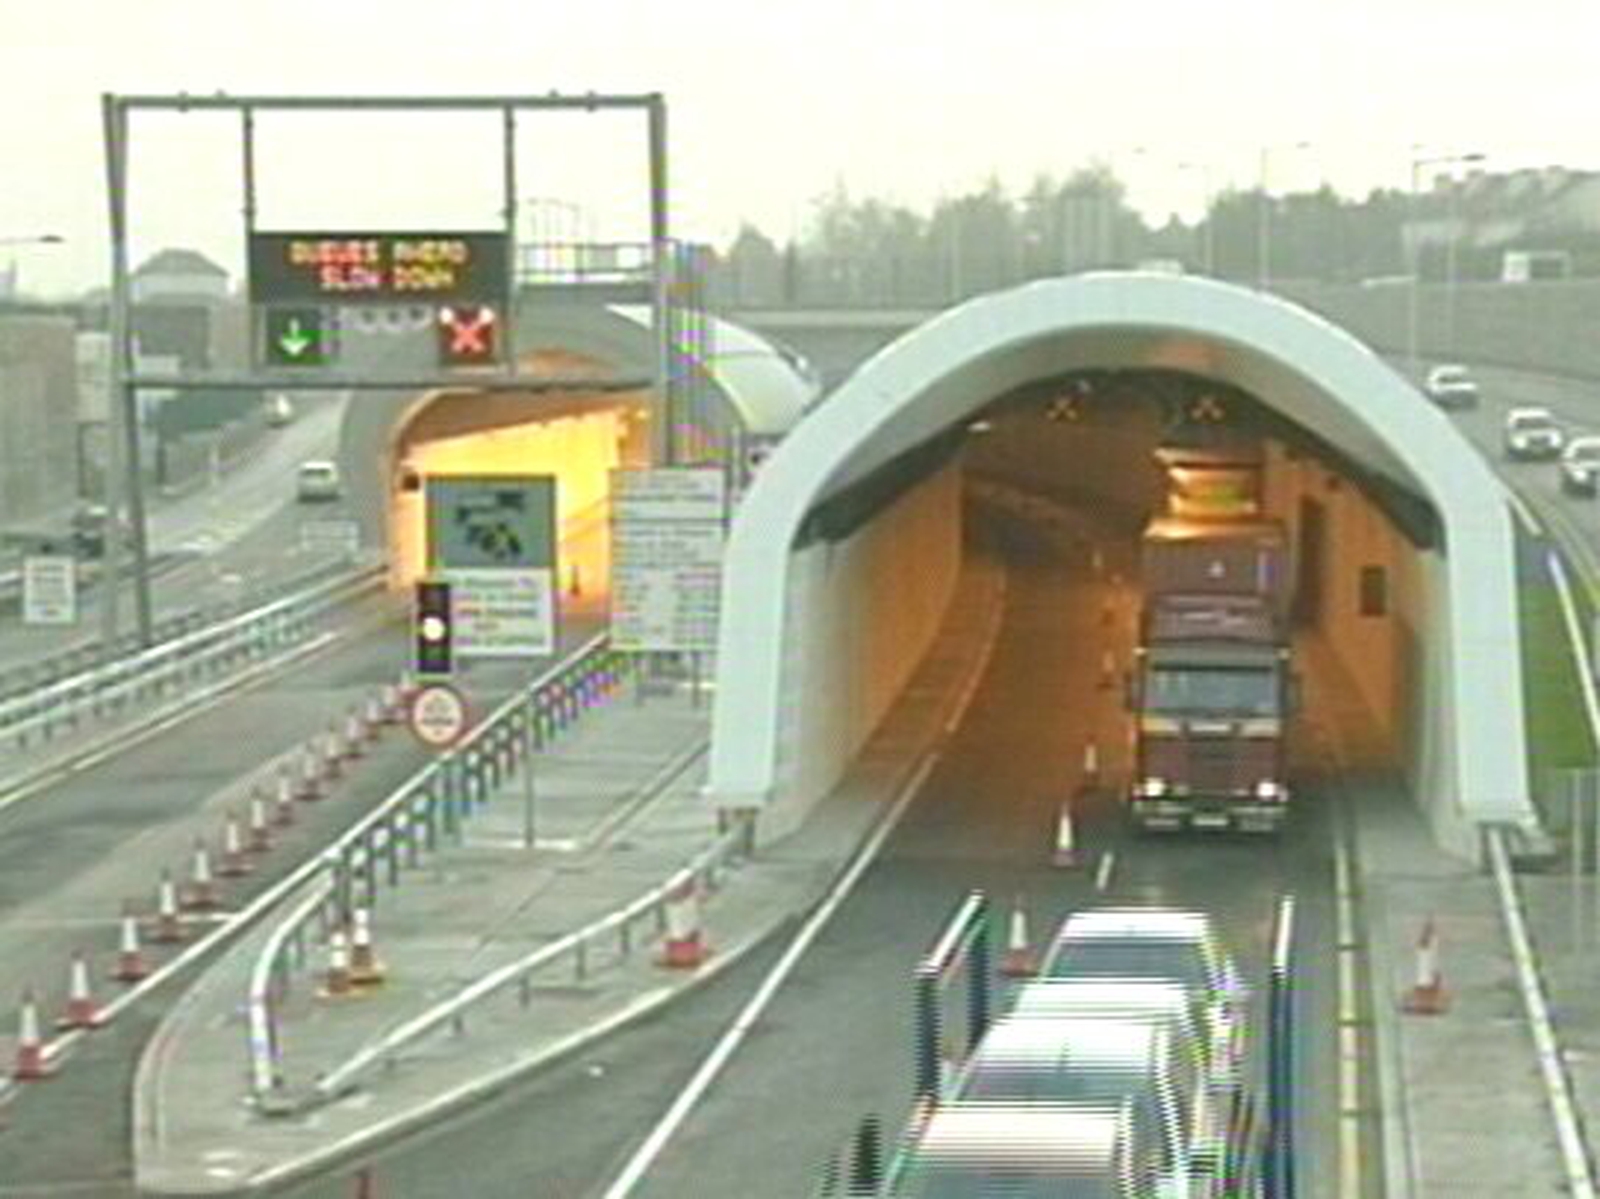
770, 106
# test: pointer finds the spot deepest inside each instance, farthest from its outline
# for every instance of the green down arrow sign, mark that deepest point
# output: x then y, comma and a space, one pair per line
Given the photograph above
297, 337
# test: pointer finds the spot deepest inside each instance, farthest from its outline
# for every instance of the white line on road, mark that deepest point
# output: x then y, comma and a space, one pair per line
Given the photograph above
1102, 875
1349, 1029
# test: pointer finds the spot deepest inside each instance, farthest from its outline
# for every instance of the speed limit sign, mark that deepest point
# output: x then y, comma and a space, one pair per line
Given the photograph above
438, 715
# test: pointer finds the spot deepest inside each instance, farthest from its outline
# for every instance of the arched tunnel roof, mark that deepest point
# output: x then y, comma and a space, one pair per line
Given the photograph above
937, 375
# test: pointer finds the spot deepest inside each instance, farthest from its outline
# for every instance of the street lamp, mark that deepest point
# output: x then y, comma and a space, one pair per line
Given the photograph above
37, 239
1208, 243
1264, 215
1417, 163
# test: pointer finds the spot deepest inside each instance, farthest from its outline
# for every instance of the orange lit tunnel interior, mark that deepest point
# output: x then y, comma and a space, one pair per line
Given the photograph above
579, 448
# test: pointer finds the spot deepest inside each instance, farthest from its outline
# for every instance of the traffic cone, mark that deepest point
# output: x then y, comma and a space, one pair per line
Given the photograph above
202, 892
260, 832
82, 1010
393, 704
1019, 960
283, 802
233, 864
1091, 762
1108, 670
1066, 851
354, 737
685, 947
366, 1184
169, 929
30, 1064
575, 583
408, 687
311, 778
1108, 613
332, 753
1428, 997
365, 969
373, 720
336, 981
131, 964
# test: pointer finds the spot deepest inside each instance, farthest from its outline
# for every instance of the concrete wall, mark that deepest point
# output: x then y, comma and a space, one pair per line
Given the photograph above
861, 614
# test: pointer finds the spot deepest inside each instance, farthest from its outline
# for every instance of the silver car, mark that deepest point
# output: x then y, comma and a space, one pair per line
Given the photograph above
1580, 466
1532, 433
1450, 386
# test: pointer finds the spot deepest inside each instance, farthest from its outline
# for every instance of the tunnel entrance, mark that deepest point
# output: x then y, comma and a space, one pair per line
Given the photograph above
1414, 578
578, 437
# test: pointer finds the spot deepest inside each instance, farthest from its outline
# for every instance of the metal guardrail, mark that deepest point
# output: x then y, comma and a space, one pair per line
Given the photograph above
703, 874
29, 676
433, 803
65, 704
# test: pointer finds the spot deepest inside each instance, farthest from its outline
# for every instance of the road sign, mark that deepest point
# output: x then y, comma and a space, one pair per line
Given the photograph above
298, 337
438, 715
500, 613
49, 589
379, 268
666, 572
468, 335
491, 521
330, 537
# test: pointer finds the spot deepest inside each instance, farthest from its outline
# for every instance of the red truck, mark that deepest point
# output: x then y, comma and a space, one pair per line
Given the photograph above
1212, 686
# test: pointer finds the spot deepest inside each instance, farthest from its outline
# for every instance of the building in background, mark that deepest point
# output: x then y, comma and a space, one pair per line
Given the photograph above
38, 419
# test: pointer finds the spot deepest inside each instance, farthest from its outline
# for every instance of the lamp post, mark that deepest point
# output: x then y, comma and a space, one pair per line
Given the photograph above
1419, 161
1264, 215
1208, 240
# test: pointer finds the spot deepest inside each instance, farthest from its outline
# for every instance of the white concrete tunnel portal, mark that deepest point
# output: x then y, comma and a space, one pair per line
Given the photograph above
778, 741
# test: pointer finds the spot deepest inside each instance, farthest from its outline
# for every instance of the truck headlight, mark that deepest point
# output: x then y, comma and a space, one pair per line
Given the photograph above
1151, 786
1269, 789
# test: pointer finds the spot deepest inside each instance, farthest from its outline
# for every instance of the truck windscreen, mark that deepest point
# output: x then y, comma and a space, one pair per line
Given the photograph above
1177, 691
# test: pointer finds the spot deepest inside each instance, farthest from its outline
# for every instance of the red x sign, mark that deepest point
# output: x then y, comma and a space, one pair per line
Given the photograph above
466, 335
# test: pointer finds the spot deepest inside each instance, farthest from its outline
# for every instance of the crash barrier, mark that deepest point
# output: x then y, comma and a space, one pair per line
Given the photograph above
1570, 1137
434, 804
966, 940
167, 667
24, 678
1278, 1166
621, 929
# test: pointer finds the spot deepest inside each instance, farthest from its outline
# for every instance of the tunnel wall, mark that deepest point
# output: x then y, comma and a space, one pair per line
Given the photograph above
861, 613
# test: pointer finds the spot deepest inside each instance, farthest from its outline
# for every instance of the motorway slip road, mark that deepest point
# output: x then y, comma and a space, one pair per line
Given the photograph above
481, 904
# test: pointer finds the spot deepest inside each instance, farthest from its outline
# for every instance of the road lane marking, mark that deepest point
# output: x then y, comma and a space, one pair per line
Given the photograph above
1102, 874
716, 1061
645, 1156
1349, 1028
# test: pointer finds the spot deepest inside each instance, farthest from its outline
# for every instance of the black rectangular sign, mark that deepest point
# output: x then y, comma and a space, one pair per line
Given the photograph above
379, 268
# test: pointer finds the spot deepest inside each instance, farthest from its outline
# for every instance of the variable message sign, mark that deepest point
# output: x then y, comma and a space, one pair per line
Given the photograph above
379, 268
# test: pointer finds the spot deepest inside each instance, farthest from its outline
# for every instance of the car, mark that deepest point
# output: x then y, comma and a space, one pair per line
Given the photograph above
1450, 386
1580, 466
1089, 1060
1532, 433
90, 526
1027, 1151
280, 411
1154, 944
317, 480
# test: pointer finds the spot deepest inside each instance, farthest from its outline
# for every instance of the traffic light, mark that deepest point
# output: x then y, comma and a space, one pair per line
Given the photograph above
433, 628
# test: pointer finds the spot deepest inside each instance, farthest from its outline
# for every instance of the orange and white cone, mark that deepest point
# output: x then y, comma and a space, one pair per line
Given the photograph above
234, 864
1091, 763
311, 780
82, 1010
336, 981
685, 947
1108, 670
365, 969
169, 928
392, 704
30, 1065
1066, 851
260, 840
332, 753
373, 720
354, 737
202, 893
1020, 959
1428, 997
283, 799
408, 687
131, 963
